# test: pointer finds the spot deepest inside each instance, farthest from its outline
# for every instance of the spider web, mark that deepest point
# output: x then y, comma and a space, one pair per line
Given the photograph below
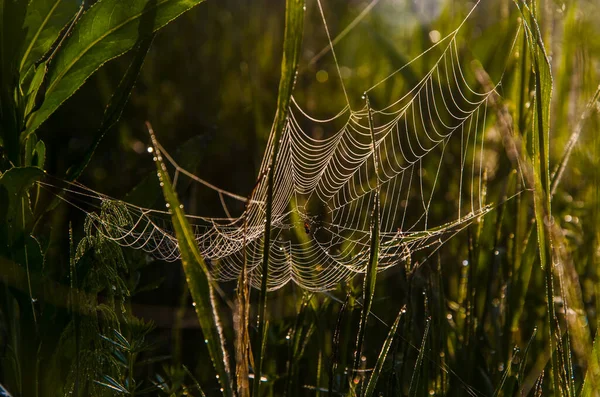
325, 187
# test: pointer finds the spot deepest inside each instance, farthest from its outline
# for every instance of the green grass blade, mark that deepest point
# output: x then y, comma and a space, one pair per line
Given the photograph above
294, 27
414, 381
592, 376
369, 284
371, 275
522, 366
298, 337
187, 156
505, 376
336, 344
383, 355
562, 165
196, 384
522, 279
541, 174
75, 318
107, 30
198, 277
242, 321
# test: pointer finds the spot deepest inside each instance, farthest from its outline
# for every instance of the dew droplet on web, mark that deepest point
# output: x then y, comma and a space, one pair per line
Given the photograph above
332, 175
435, 36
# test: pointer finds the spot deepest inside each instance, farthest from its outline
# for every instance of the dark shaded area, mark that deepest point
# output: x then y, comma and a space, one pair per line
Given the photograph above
209, 86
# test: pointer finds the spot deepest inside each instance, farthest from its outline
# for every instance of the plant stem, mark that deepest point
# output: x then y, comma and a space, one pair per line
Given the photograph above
294, 25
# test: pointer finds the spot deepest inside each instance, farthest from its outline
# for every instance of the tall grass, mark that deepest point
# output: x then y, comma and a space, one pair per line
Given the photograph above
507, 307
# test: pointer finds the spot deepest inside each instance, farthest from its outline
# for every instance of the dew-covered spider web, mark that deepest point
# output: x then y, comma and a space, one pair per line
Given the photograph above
325, 186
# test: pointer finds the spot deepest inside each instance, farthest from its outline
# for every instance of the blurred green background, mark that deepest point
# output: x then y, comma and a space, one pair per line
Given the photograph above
209, 88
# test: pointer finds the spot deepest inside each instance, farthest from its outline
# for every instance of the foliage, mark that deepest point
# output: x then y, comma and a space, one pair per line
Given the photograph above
507, 307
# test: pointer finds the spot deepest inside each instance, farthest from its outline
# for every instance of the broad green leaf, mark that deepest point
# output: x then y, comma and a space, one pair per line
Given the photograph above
43, 23
39, 155
112, 114
198, 277
29, 148
35, 152
108, 29
32, 99
292, 41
